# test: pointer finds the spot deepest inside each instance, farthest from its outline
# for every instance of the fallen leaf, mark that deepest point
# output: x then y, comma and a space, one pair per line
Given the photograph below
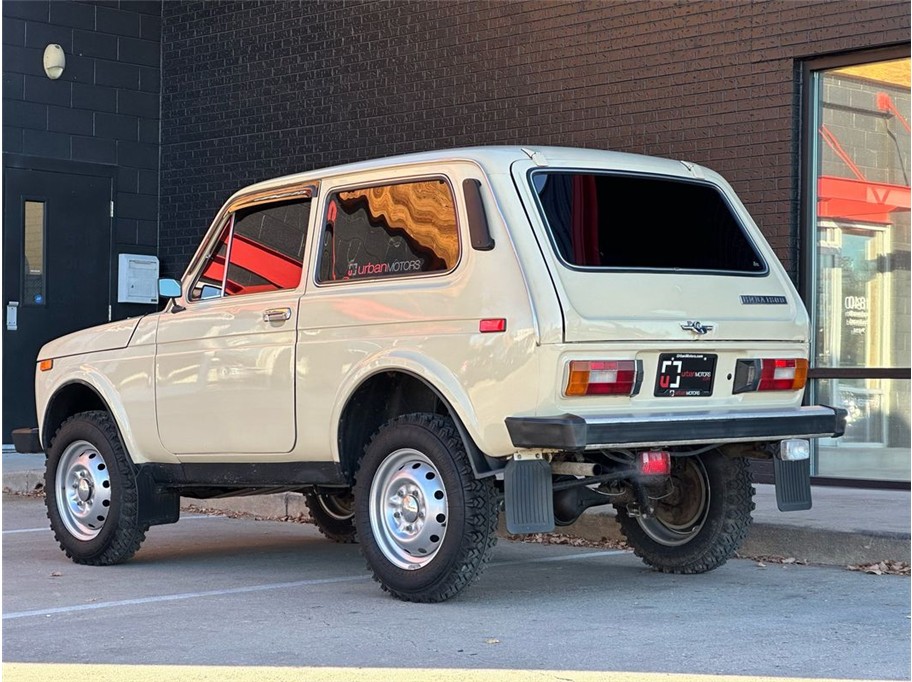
56, 574
492, 640
789, 560
760, 564
883, 568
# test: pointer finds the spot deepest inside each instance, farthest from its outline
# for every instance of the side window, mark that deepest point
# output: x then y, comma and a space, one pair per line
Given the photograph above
263, 247
389, 231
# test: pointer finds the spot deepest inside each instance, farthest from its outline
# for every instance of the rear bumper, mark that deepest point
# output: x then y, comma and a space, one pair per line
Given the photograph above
27, 441
572, 432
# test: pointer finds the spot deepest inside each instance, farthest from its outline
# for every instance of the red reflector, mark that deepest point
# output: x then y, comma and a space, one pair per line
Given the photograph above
493, 324
781, 375
655, 463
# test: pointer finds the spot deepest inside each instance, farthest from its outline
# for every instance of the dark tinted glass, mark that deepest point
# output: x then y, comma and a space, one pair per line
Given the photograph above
613, 221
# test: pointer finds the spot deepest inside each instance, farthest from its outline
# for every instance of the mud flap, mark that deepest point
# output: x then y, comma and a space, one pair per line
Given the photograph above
157, 505
528, 496
793, 484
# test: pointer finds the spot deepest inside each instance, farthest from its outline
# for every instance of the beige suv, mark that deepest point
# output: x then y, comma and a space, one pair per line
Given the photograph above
412, 342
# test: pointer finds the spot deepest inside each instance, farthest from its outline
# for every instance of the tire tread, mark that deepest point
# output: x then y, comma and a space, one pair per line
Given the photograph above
129, 534
482, 506
737, 504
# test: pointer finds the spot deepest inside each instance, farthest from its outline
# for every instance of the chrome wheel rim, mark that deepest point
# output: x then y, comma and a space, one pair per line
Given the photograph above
83, 487
681, 515
408, 509
339, 507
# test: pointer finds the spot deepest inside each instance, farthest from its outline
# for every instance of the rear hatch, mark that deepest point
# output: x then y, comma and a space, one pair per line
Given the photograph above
652, 250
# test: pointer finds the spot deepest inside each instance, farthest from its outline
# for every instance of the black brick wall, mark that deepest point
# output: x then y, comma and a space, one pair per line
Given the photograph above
253, 90
103, 110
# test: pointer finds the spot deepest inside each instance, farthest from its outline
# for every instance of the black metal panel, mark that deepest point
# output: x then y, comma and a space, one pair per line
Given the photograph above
571, 432
248, 475
26, 440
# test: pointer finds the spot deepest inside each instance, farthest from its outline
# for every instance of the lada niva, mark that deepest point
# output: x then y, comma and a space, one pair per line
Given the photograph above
414, 343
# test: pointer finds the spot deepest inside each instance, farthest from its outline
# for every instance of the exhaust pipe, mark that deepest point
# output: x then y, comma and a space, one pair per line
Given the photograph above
575, 469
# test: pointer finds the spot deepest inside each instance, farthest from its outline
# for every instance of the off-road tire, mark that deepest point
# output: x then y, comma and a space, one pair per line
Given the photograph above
420, 445
331, 516
92, 438
725, 522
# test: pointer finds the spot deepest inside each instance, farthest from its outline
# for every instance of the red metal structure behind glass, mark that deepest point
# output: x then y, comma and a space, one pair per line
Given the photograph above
860, 199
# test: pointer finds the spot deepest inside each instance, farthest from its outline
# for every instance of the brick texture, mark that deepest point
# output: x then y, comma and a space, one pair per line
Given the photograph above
253, 90
103, 110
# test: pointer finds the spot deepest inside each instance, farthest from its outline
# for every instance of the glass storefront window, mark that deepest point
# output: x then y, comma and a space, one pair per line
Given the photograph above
861, 265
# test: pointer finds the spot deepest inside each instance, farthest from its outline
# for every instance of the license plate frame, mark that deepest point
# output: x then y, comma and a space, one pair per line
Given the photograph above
685, 375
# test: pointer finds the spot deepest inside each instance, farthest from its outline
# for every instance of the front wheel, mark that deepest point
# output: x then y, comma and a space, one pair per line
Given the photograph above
425, 523
700, 521
91, 496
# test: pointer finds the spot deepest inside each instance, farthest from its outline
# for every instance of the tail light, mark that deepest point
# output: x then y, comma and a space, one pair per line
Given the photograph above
604, 377
654, 463
770, 375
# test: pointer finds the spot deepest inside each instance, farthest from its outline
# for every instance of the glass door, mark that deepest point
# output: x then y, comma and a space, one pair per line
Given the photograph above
859, 287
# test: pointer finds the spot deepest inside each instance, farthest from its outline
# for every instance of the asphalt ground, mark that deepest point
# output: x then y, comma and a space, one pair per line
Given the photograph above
216, 591
844, 527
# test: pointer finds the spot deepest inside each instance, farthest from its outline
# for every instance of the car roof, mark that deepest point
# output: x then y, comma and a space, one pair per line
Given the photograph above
493, 159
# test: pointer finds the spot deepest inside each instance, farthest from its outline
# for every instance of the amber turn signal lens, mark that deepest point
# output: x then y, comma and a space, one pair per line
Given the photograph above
603, 377
45, 365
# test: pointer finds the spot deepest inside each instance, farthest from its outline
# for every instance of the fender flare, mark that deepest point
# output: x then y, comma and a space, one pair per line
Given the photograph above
439, 380
98, 384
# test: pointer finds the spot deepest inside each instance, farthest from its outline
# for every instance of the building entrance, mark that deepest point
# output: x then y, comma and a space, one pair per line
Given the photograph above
56, 272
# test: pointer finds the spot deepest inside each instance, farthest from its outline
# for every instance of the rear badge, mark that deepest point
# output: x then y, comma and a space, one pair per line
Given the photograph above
763, 300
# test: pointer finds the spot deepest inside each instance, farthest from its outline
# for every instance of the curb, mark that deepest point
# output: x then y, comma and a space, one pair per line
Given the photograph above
814, 546
811, 545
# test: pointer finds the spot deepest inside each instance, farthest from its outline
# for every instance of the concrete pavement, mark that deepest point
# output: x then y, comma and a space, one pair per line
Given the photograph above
846, 526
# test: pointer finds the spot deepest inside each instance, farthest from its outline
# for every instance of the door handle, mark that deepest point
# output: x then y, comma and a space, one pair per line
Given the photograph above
277, 315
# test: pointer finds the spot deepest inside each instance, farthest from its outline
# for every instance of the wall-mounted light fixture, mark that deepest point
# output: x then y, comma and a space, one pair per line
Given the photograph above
54, 61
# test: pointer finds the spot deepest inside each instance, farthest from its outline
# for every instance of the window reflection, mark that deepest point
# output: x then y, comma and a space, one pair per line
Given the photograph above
33, 253
862, 262
389, 231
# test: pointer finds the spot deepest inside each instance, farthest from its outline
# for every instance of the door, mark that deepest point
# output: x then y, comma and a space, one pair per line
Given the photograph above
56, 272
853, 311
225, 358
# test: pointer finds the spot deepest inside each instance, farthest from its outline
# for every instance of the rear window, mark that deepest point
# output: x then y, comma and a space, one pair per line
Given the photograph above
642, 223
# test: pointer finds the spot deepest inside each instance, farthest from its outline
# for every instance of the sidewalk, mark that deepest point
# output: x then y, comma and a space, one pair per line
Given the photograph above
845, 526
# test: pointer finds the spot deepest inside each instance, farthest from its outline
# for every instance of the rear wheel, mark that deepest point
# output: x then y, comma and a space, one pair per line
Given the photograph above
333, 515
91, 495
425, 523
700, 522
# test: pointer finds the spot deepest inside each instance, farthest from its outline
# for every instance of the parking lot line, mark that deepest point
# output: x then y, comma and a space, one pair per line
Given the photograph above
179, 597
26, 530
566, 557
39, 672
154, 599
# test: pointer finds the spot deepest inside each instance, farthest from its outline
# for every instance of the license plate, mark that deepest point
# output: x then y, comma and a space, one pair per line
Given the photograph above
685, 375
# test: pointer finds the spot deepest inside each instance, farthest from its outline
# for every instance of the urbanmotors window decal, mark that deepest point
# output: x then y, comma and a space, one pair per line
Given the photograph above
764, 300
